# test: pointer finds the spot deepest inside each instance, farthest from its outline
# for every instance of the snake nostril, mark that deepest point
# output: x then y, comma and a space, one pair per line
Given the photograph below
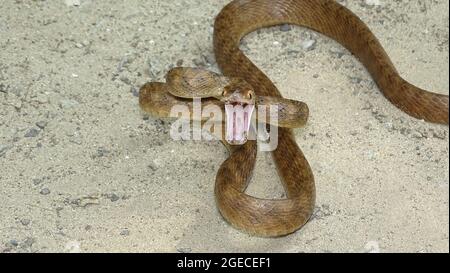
226, 93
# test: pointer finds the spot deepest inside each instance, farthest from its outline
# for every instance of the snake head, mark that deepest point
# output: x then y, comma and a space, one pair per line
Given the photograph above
238, 91
239, 100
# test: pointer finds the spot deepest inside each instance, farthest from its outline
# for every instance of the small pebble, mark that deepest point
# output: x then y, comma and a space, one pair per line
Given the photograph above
41, 124
285, 27
14, 242
123, 63
367, 106
417, 135
153, 166
33, 132
3, 88
66, 104
45, 191
28, 242
113, 197
355, 80
198, 62
25, 222
125, 232
370, 154
125, 80
4, 148
102, 152
309, 45
184, 250
337, 52
389, 125
438, 135
134, 91
37, 181
210, 59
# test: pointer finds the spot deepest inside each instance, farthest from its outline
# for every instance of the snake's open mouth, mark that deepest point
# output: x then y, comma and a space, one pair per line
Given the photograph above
238, 119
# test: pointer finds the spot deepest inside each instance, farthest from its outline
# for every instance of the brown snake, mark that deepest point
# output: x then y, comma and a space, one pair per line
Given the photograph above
264, 217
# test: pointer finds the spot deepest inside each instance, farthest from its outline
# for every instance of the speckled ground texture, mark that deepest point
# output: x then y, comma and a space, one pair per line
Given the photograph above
83, 170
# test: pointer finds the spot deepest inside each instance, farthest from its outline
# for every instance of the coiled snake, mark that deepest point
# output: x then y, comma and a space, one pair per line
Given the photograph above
264, 217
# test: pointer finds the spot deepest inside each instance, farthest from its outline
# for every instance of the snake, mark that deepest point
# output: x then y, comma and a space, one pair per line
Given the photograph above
280, 217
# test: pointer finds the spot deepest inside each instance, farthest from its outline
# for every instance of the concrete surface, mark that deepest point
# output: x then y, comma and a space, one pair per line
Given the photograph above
81, 169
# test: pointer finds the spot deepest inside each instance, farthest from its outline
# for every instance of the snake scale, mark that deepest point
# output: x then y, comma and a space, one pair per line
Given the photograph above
278, 217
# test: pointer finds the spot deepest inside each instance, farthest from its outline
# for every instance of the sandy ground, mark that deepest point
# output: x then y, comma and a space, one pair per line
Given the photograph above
81, 168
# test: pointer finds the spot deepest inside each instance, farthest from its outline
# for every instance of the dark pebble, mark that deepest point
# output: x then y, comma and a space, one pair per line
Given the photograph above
41, 124
153, 166
125, 80
198, 62
125, 232
3, 88
285, 27
33, 132
210, 59
355, 80
337, 52
113, 197
14, 242
45, 191
102, 152
134, 91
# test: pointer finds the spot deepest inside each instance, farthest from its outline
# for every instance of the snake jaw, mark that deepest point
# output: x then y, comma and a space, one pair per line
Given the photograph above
238, 120
239, 108
239, 101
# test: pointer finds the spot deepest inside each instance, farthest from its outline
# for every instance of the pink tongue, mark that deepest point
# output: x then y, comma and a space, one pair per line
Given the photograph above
237, 123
